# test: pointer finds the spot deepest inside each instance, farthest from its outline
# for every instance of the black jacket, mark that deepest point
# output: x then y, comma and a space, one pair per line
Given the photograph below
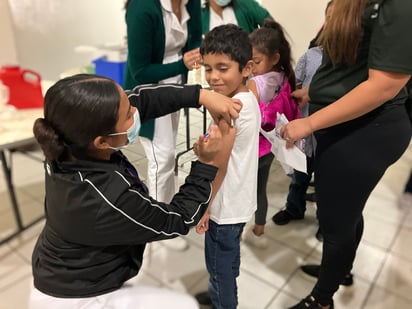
99, 216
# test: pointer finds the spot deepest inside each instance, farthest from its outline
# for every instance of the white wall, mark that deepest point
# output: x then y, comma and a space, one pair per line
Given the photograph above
301, 18
42, 34
8, 53
47, 31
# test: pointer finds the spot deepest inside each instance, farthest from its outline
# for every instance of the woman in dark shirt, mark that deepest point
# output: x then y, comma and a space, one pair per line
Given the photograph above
357, 112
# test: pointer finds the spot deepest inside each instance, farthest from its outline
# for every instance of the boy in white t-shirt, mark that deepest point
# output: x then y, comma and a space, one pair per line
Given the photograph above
227, 58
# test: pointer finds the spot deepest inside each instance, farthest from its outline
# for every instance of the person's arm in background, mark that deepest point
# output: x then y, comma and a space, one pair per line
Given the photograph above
250, 14
144, 29
300, 69
305, 69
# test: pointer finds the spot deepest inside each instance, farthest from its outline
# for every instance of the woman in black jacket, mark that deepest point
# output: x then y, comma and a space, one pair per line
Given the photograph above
99, 215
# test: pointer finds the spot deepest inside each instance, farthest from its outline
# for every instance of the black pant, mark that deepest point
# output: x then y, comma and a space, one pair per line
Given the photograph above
265, 163
349, 162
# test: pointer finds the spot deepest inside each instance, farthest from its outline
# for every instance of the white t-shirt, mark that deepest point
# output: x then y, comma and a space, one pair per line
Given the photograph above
235, 202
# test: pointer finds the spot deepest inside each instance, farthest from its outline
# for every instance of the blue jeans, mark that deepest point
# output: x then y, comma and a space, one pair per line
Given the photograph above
296, 202
222, 253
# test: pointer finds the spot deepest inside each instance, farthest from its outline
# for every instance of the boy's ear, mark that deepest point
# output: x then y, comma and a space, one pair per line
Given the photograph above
247, 69
100, 143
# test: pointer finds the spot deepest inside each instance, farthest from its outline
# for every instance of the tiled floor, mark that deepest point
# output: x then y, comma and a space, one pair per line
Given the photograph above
269, 278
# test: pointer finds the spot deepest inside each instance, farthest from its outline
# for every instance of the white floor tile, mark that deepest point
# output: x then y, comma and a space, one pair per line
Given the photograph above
25, 170
368, 262
171, 268
384, 208
16, 295
24, 246
382, 299
408, 218
283, 300
298, 286
298, 234
273, 265
13, 269
254, 293
378, 232
352, 297
396, 276
403, 244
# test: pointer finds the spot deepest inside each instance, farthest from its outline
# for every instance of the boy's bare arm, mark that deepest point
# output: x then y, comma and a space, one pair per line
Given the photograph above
228, 139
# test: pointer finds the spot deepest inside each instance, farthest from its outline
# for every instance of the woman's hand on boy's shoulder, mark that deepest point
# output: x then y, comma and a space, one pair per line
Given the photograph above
220, 106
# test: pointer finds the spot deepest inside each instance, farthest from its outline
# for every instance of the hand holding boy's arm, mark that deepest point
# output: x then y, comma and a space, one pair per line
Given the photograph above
220, 106
215, 148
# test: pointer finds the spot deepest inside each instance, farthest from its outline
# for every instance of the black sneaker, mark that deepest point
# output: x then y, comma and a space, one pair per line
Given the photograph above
283, 217
203, 298
312, 270
310, 303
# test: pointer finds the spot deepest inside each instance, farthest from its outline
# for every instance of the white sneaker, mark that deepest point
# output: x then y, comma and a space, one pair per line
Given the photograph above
260, 242
176, 244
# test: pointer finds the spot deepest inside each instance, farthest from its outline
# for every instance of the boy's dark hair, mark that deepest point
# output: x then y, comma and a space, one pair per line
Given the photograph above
271, 38
230, 40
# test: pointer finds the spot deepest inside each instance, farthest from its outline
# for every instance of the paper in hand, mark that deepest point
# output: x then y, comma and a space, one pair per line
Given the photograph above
289, 158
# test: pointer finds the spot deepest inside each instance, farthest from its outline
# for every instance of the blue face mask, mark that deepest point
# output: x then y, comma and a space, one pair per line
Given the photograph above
223, 3
132, 132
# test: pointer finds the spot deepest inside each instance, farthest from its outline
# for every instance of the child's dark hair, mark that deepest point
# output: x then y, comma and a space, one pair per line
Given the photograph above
230, 40
77, 109
271, 39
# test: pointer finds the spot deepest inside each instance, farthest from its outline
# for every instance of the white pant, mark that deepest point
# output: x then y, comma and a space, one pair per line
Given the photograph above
160, 153
129, 296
